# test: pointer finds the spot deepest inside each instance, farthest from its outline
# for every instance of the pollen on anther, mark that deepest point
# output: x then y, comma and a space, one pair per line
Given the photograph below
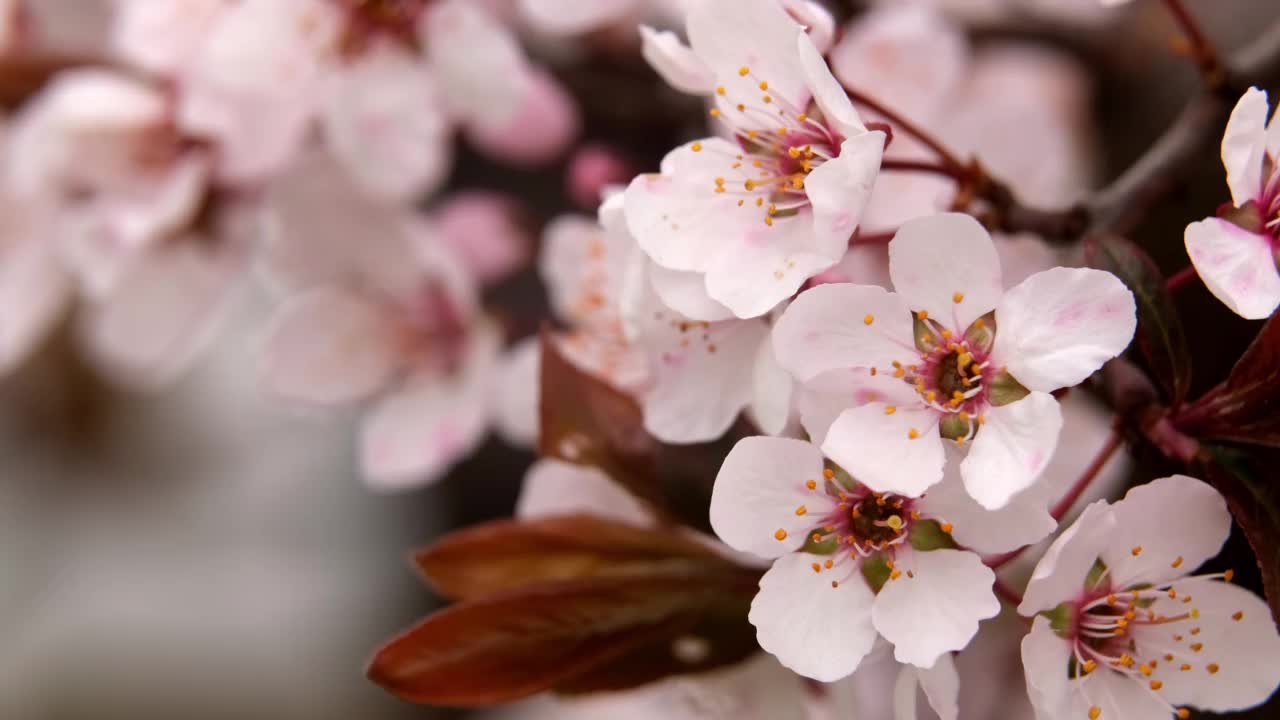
1089, 666
913, 433
835, 584
1228, 574
780, 535
714, 112
696, 147
1136, 551
1184, 667
1095, 712
720, 90
828, 564
1177, 562
946, 527
890, 409
1237, 616
868, 319
895, 574
1212, 668
1156, 684
828, 473
816, 567
744, 71
811, 484
957, 298
801, 510
1183, 713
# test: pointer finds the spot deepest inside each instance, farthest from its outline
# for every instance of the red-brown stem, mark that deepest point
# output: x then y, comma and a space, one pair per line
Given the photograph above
1203, 51
875, 238
1090, 473
902, 123
1180, 278
924, 166
1006, 593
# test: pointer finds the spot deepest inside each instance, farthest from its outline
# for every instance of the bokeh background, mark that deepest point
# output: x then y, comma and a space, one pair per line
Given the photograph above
205, 553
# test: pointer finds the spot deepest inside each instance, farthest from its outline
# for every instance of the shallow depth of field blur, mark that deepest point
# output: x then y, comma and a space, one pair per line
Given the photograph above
204, 551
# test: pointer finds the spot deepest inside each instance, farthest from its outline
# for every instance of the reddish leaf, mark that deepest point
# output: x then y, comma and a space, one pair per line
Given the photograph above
506, 554
586, 421
1160, 336
1252, 489
517, 643
1246, 408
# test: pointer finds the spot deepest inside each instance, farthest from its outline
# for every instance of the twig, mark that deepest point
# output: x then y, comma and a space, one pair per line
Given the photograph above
1202, 51
900, 122
924, 166
1006, 593
1181, 278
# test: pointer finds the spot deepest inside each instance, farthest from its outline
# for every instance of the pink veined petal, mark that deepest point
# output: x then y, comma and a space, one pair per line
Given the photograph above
947, 265
830, 98
330, 347
907, 52
764, 265
898, 452
481, 69
515, 402
1012, 448
678, 219
1022, 521
937, 607
1175, 524
1244, 144
841, 326
675, 62
163, 312
35, 291
819, 631
757, 491
758, 35
1058, 327
771, 390
383, 119
1060, 574
1238, 267
701, 378
821, 400
545, 124
686, 293
1117, 695
1236, 635
571, 17
484, 230
839, 190
414, 435
555, 487
1045, 658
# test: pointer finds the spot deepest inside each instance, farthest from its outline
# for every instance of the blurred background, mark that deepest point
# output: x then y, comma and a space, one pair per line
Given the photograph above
204, 552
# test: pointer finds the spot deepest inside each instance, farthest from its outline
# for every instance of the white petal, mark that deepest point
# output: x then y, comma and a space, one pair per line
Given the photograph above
941, 685
686, 293
164, 311
515, 406
1057, 327
1117, 695
582, 267
675, 62
701, 378
1045, 658
555, 487
759, 35
383, 119
938, 609
771, 391
819, 631
415, 434
1059, 577
1011, 449
1243, 144
545, 124
839, 190
571, 17
821, 400
330, 347
482, 72
1238, 267
161, 37
830, 98
878, 449
677, 217
485, 232
826, 329
35, 290
1245, 650
936, 259
764, 265
758, 489
816, 19
1174, 519
1022, 521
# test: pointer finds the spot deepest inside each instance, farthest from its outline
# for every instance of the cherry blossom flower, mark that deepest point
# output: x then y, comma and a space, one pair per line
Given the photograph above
758, 216
851, 564
392, 320
1235, 253
1122, 631
952, 356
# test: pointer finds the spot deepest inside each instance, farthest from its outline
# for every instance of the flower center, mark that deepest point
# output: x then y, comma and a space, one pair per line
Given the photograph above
366, 20
780, 145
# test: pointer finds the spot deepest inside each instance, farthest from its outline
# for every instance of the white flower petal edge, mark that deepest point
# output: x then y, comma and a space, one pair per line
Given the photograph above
1246, 133
555, 487
675, 62
752, 502
935, 259
1014, 446
1238, 267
